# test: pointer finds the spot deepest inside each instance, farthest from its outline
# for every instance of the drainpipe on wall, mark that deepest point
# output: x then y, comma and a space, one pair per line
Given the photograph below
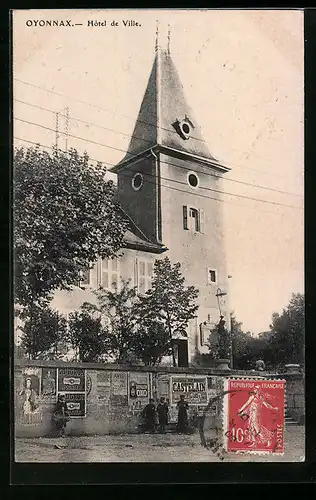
158, 205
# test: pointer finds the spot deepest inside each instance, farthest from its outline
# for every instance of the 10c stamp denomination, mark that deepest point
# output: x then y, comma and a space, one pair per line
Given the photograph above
254, 416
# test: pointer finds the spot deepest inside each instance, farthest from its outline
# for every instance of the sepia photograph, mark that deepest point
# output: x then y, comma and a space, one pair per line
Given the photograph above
158, 235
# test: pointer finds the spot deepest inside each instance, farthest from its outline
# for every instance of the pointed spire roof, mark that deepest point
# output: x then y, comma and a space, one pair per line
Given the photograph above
163, 108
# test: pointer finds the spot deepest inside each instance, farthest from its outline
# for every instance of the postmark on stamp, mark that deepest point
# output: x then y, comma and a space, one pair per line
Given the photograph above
254, 416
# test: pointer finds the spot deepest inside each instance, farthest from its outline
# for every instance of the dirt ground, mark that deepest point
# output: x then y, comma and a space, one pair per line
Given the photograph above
145, 448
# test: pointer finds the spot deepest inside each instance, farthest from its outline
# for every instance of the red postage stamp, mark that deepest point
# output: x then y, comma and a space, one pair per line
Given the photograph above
254, 416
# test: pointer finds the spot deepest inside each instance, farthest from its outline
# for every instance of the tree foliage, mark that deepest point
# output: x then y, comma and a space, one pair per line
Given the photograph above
152, 343
65, 216
42, 331
86, 335
282, 344
168, 301
287, 332
116, 311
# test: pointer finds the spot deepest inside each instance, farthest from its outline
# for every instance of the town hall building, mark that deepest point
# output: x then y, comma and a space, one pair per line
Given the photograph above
169, 187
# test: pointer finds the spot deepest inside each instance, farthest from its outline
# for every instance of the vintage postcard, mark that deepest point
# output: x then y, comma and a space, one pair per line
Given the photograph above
158, 235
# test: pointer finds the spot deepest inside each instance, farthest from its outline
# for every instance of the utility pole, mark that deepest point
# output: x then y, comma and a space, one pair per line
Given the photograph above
231, 341
63, 113
56, 130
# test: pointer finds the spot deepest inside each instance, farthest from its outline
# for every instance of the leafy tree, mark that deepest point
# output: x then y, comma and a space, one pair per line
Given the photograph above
116, 311
65, 217
287, 332
152, 343
204, 359
169, 301
42, 331
241, 345
86, 335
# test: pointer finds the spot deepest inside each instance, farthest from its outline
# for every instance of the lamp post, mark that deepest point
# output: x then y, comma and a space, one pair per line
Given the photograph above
223, 361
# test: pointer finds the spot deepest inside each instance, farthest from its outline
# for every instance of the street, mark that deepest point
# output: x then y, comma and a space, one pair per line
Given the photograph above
144, 448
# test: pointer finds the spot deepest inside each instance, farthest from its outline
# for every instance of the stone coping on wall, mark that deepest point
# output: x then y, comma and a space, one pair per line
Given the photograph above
137, 368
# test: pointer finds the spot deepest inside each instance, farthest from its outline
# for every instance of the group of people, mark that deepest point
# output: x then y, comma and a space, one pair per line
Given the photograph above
152, 414
159, 414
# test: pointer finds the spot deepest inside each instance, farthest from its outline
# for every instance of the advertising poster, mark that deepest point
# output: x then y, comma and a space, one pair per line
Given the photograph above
162, 385
119, 395
71, 380
138, 392
103, 387
30, 411
76, 404
48, 384
193, 388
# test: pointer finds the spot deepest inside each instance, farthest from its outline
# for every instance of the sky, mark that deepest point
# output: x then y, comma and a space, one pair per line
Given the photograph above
243, 75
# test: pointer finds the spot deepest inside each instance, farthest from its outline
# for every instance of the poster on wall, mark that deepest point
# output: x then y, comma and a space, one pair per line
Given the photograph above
138, 390
162, 386
71, 380
48, 384
119, 395
103, 389
29, 393
76, 404
194, 389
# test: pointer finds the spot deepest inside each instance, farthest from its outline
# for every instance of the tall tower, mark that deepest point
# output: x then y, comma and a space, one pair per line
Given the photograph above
168, 183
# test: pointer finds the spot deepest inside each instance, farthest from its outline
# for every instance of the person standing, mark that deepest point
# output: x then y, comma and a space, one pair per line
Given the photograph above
182, 424
61, 415
162, 410
149, 414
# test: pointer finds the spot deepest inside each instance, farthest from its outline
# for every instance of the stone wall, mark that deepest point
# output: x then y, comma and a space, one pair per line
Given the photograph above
109, 399
295, 396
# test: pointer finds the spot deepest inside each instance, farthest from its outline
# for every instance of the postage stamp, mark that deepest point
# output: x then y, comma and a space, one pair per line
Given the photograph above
254, 416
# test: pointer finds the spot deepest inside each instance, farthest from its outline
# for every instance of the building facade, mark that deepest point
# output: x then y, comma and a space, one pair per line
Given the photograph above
169, 188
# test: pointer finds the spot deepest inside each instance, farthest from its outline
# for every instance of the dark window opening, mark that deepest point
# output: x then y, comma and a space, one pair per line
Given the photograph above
185, 128
193, 180
137, 181
212, 276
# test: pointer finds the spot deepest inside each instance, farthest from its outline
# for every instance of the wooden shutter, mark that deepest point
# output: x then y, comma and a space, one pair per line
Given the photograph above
99, 272
201, 221
136, 272
185, 217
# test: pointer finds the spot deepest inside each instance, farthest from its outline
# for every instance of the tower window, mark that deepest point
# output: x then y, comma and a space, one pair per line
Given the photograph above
186, 129
211, 275
194, 219
193, 180
137, 181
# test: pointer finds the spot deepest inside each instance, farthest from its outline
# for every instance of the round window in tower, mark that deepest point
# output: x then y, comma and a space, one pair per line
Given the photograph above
186, 128
193, 180
137, 181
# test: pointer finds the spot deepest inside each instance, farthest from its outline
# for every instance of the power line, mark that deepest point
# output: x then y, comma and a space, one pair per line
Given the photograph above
167, 163
74, 136
154, 183
95, 106
205, 188
212, 174
85, 122
140, 121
